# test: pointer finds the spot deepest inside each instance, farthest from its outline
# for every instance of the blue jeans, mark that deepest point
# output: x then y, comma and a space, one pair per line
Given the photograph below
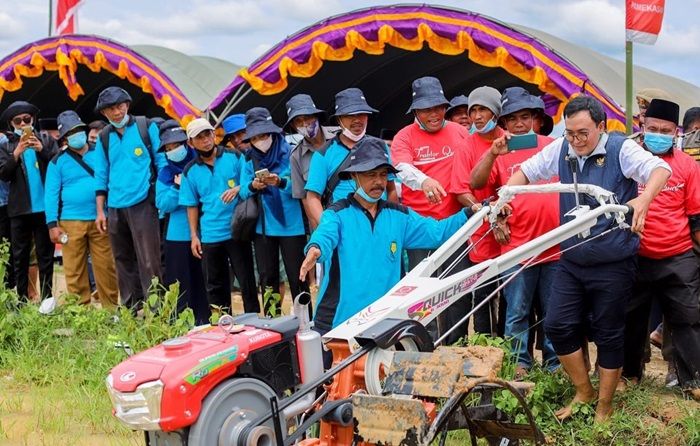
519, 294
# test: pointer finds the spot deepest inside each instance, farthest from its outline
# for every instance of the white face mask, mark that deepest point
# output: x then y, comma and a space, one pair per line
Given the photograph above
264, 144
353, 137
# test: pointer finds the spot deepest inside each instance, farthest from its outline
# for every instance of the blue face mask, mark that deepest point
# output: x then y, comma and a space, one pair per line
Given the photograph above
177, 154
657, 143
121, 123
77, 140
361, 192
487, 128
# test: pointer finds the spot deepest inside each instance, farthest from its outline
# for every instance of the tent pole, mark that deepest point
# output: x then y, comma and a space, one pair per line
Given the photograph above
231, 104
50, 16
628, 87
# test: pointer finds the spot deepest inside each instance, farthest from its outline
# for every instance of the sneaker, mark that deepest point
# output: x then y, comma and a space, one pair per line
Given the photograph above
671, 375
657, 339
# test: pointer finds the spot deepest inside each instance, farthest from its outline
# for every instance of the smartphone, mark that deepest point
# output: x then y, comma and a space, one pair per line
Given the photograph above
27, 132
521, 142
262, 174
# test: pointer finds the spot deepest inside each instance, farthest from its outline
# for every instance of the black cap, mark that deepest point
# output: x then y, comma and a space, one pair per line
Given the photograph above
18, 108
111, 96
663, 109
368, 154
68, 121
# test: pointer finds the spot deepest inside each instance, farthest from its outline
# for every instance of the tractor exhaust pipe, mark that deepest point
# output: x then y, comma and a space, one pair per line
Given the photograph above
309, 352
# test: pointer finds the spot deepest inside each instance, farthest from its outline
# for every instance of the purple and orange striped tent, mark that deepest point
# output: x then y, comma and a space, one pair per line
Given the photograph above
382, 49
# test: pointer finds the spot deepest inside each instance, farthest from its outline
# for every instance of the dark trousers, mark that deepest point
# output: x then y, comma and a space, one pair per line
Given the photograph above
5, 236
599, 290
134, 233
181, 266
675, 281
23, 230
484, 318
216, 258
267, 251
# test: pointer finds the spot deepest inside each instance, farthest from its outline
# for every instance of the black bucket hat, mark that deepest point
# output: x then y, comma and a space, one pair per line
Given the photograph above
68, 121
171, 132
258, 121
351, 101
368, 154
299, 105
427, 93
457, 101
18, 108
515, 99
111, 96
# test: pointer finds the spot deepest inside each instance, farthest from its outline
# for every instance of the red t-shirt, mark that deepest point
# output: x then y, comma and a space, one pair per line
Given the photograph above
432, 154
464, 162
666, 228
533, 214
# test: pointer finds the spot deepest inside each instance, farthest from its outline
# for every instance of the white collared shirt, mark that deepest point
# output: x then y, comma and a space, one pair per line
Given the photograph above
635, 162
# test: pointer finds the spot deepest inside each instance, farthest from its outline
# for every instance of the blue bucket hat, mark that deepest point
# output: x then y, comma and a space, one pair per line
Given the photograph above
18, 108
515, 99
258, 121
68, 121
111, 96
171, 132
427, 93
368, 154
457, 101
351, 101
234, 123
299, 105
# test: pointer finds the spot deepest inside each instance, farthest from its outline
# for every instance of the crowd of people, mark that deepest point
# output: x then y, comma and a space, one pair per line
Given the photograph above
132, 199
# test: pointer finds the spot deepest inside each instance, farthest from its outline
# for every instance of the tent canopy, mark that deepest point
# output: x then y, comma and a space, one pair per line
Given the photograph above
68, 72
383, 49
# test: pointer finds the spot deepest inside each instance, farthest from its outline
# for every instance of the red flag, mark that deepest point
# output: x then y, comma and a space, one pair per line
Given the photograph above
644, 19
66, 16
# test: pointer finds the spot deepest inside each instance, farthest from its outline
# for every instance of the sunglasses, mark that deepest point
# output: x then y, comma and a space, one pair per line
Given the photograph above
19, 120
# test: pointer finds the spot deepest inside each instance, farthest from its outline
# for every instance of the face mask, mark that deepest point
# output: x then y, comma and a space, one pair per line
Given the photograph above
121, 123
264, 144
425, 129
353, 137
487, 128
205, 153
177, 154
657, 143
361, 192
309, 131
77, 140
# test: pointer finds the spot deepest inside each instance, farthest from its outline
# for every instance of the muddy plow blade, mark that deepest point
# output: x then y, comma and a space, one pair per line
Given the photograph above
428, 394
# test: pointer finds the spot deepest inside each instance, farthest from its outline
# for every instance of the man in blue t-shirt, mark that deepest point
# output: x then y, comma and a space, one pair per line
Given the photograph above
23, 162
209, 188
69, 198
362, 238
126, 167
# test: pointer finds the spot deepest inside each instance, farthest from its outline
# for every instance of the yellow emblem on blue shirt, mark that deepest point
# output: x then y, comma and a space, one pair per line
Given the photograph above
36, 164
138, 151
393, 248
231, 183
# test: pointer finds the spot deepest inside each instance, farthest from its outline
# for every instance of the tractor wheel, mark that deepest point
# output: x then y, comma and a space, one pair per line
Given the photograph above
230, 407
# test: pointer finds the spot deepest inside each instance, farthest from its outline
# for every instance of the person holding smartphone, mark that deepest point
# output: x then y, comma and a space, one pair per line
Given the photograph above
280, 227
532, 216
24, 159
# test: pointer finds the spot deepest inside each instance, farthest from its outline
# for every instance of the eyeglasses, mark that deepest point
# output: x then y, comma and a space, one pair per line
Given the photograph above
18, 120
579, 136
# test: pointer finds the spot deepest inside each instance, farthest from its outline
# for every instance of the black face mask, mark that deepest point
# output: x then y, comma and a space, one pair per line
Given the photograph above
205, 153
